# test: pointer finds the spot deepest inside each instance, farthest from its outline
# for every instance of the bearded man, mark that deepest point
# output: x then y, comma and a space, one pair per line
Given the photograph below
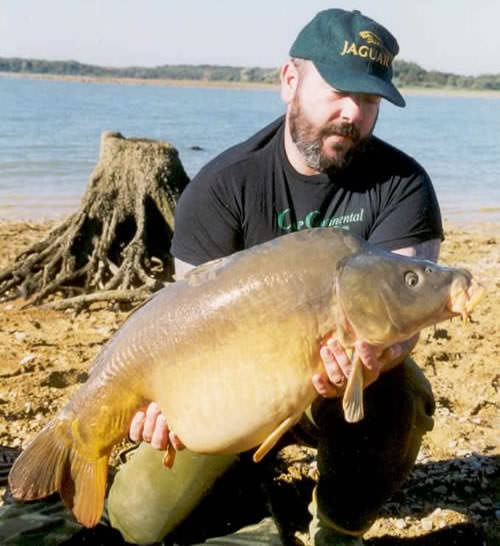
319, 165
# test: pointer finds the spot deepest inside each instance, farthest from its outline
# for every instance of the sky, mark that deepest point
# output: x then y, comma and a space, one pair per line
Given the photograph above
458, 36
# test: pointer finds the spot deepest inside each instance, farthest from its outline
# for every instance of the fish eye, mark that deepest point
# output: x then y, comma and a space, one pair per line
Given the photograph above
411, 278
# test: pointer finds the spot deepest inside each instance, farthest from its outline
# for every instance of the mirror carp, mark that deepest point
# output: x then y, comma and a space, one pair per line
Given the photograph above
228, 353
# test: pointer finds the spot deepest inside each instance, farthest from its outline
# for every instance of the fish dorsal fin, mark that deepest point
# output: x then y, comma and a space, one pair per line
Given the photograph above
352, 402
205, 272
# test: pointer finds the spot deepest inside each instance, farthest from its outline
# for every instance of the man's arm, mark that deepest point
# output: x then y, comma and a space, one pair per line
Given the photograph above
181, 268
331, 383
428, 250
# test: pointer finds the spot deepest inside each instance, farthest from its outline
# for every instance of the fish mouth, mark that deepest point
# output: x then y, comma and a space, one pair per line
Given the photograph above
465, 294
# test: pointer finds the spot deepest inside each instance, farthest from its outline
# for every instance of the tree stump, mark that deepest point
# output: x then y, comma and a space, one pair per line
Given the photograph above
116, 247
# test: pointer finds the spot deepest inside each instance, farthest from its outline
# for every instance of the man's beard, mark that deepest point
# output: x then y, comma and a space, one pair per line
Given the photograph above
309, 141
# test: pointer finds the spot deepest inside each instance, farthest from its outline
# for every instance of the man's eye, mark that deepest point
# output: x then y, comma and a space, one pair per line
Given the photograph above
372, 99
338, 94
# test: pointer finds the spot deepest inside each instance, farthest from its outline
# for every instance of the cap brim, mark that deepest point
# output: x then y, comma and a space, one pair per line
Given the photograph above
354, 81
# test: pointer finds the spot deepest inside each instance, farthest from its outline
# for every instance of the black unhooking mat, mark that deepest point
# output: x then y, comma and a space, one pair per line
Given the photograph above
7, 457
44, 523
48, 523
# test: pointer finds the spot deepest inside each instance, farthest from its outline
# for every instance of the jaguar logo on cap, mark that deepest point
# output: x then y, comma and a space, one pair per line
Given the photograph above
371, 37
375, 51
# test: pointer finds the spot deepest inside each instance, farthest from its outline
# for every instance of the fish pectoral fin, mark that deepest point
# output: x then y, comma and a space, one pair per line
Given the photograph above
273, 438
352, 403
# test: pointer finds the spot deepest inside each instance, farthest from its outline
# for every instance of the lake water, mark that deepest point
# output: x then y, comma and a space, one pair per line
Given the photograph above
50, 132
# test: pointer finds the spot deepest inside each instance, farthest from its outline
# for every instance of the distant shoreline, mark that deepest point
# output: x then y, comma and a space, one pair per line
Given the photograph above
139, 81
444, 91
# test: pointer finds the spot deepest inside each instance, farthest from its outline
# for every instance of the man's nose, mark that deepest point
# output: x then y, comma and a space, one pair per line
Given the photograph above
352, 108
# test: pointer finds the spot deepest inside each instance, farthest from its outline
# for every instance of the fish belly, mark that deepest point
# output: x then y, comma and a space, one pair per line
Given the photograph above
230, 399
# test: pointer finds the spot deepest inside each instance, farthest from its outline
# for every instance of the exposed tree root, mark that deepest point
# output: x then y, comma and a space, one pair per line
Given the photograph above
84, 300
116, 247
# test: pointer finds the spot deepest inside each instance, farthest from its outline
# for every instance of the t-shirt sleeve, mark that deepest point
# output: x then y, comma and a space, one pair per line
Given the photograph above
410, 215
207, 221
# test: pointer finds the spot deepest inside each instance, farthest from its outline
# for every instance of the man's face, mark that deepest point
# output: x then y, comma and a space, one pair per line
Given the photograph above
327, 125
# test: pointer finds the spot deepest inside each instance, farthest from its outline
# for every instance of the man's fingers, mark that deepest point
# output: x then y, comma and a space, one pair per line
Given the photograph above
151, 426
137, 426
152, 414
331, 382
374, 358
338, 365
324, 387
369, 355
340, 358
370, 376
159, 439
393, 352
333, 371
176, 441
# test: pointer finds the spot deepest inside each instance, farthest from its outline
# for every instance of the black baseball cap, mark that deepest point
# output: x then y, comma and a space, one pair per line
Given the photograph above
352, 52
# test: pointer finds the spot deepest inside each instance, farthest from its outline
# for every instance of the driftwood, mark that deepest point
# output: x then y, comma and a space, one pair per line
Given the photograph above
116, 246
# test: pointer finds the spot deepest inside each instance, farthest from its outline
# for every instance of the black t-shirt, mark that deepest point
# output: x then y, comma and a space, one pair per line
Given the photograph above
251, 193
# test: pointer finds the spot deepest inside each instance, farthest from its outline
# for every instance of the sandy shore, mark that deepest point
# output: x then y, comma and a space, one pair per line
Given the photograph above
453, 489
243, 85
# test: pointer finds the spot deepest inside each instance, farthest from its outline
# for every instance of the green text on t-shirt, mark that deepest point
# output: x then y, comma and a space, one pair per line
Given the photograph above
315, 219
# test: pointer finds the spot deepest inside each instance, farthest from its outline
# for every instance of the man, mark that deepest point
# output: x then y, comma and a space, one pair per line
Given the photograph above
321, 166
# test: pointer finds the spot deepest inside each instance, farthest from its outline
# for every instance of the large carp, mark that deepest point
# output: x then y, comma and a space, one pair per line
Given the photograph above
228, 353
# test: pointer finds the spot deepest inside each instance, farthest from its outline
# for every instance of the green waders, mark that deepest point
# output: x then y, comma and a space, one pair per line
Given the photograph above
147, 501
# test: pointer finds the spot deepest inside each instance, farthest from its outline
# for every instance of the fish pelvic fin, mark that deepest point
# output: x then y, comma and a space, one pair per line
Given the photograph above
50, 463
352, 403
273, 438
169, 457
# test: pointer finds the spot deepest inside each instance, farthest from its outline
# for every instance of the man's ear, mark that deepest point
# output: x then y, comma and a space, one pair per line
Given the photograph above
289, 78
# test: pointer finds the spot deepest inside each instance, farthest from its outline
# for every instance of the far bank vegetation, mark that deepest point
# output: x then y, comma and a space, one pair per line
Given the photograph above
406, 74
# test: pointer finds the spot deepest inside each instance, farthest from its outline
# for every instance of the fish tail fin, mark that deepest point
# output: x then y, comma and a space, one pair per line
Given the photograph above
352, 402
38, 470
52, 463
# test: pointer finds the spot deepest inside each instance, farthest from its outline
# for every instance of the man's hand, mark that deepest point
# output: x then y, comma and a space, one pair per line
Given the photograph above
151, 426
331, 383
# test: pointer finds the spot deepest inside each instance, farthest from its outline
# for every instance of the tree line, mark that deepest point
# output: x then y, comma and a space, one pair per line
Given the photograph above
406, 74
